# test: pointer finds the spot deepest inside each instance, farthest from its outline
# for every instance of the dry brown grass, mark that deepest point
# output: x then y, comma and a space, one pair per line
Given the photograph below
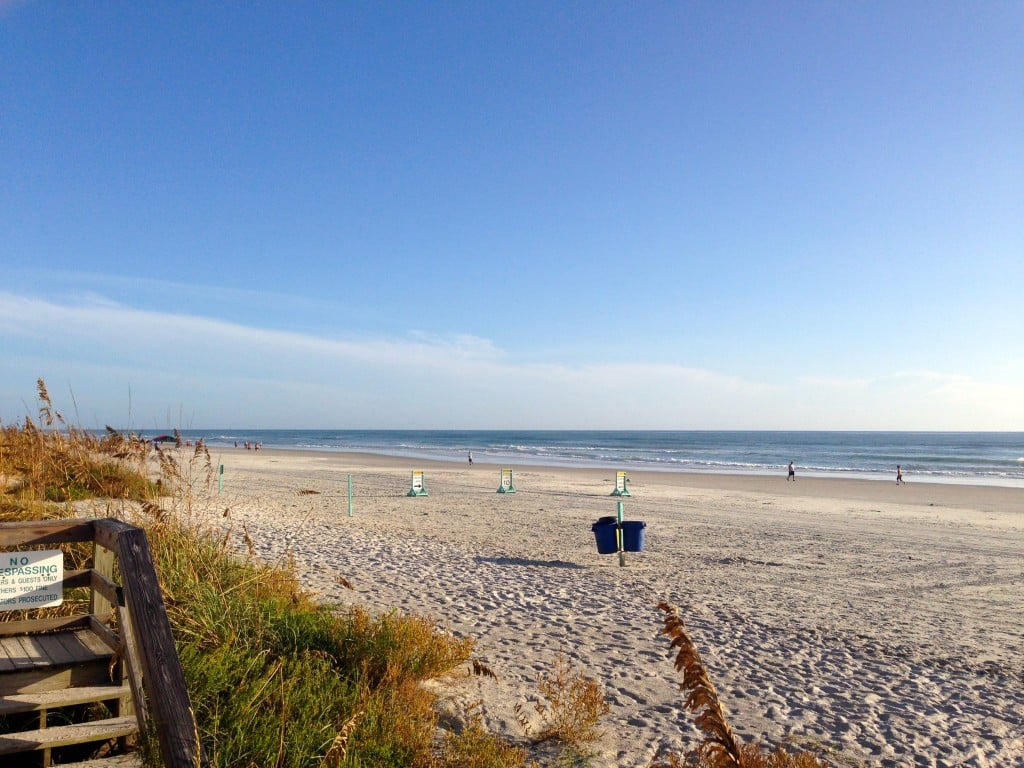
49, 462
476, 747
47, 468
573, 705
480, 669
338, 751
719, 747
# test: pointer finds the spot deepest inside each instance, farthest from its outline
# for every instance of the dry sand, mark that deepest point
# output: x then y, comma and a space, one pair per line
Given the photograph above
871, 623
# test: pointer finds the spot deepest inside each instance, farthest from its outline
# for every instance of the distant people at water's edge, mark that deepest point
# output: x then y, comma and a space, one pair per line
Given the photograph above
470, 457
792, 473
899, 475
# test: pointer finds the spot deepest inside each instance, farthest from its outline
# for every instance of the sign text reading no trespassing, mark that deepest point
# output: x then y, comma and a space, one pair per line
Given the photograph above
31, 579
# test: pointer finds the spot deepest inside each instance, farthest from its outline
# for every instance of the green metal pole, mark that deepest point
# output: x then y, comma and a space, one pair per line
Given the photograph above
618, 536
350, 495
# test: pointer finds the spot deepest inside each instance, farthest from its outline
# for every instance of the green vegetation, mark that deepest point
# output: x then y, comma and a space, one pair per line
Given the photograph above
274, 678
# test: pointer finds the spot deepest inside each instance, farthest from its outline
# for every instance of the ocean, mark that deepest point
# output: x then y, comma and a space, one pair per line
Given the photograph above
982, 458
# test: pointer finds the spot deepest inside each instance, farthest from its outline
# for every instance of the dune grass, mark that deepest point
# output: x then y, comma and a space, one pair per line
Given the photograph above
719, 748
570, 708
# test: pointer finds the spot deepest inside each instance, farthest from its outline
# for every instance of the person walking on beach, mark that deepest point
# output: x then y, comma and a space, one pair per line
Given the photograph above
792, 473
470, 457
899, 475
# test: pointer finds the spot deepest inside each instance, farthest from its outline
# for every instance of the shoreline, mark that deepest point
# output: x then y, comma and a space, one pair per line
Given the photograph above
982, 458
871, 623
538, 462
983, 496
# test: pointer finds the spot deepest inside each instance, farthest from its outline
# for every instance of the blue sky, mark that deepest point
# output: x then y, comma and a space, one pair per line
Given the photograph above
535, 215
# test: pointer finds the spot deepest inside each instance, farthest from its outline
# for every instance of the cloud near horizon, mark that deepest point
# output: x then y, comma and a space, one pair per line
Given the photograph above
148, 368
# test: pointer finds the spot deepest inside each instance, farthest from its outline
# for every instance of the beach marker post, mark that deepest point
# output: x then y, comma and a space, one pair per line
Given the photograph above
350, 495
618, 536
418, 488
621, 478
220, 478
506, 485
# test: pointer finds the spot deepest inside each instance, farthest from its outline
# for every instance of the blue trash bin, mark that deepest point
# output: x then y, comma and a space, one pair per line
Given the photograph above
633, 535
604, 532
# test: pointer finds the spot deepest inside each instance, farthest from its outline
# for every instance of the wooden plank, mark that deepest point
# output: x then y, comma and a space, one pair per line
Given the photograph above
171, 710
79, 646
35, 653
6, 662
63, 735
13, 651
72, 647
109, 530
28, 658
32, 680
131, 760
107, 588
45, 662
32, 532
106, 635
30, 626
56, 649
34, 649
82, 577
6, 665
16, 653
134, 667
103, 566
66, 697
82, 645
93, 644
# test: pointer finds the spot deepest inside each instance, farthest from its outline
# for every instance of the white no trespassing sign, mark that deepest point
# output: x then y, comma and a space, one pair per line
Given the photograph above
31, 579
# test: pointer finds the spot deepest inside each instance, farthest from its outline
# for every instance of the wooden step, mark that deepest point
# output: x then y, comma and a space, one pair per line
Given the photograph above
63, 735
66, 697
36, 663
131, 760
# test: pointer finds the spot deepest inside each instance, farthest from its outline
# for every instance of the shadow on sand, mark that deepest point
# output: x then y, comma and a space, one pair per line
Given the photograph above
527, 562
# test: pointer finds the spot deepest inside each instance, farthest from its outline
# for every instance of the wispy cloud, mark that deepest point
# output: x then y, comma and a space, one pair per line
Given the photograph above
920, 399
225, 373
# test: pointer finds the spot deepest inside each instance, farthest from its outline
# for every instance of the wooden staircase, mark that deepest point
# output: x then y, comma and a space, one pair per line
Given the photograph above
80, 691
61, 684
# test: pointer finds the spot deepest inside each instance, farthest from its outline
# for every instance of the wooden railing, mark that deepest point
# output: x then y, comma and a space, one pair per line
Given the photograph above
141, 632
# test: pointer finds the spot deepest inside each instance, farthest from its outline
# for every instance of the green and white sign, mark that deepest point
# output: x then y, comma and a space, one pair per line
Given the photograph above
31, 579
507, 486
621, 478
418, 486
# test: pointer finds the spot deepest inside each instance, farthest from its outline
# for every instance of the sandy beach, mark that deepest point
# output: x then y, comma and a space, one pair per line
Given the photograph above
872, 623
